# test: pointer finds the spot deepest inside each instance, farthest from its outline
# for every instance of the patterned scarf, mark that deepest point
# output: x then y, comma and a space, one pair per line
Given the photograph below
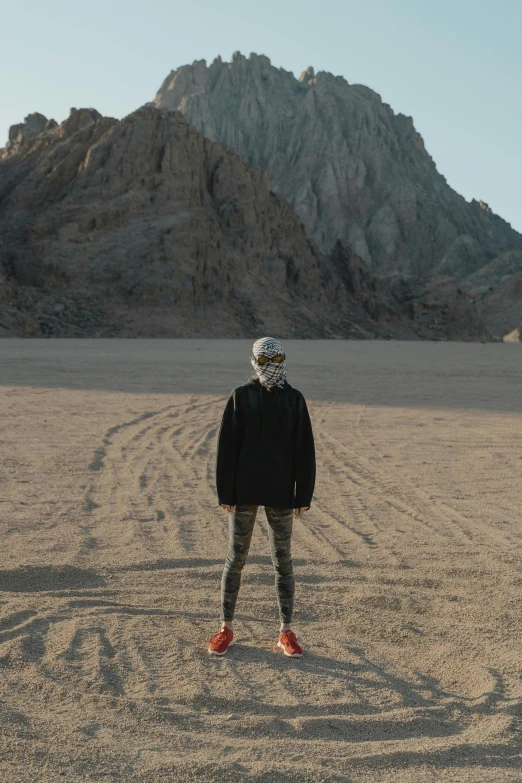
271, 373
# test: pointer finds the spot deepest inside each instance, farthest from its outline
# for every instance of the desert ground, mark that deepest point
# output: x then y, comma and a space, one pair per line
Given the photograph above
408, 568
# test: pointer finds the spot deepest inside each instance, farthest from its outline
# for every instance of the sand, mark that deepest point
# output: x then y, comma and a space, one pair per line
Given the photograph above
408, 568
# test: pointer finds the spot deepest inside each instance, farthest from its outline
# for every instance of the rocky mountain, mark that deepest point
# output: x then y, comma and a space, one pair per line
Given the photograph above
146, 227
352, 169
149, 226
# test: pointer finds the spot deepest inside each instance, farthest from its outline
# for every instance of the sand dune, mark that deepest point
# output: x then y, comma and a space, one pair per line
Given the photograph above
408, 568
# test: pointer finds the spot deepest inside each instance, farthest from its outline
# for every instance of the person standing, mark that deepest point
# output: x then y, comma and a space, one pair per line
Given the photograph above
265, 457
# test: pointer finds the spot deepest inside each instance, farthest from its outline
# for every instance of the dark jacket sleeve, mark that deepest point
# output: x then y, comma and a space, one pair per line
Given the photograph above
228, 446
304, 457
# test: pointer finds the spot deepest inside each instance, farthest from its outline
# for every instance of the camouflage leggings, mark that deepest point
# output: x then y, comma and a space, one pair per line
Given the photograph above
241, 525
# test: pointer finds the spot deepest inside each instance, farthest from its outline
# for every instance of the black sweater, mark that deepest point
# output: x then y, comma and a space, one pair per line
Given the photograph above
265, 451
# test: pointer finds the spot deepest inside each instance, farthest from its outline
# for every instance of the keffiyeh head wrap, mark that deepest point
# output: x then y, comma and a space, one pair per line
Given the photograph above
271, 373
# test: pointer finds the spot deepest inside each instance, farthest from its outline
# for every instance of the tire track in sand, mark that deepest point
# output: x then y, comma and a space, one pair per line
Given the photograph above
133, 499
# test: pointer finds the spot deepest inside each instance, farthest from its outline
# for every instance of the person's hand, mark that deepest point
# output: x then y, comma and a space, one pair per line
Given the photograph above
298, 512
227, 508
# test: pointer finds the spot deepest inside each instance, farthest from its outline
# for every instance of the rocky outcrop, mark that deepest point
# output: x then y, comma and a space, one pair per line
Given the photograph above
352, 169
20, 135
439, 305
515, 336
146, 227
496, 290
359, 281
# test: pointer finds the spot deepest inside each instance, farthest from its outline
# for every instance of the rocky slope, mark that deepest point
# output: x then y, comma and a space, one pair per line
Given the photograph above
146, 227
496, 290
352, 169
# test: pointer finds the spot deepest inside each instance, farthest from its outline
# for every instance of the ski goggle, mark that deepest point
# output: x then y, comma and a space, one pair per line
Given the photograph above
265, 359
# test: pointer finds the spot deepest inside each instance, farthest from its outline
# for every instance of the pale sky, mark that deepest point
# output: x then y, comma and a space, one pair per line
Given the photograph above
455, 66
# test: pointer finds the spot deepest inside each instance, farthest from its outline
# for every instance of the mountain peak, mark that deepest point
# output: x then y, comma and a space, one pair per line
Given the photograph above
147, 217
352, 168
307, 75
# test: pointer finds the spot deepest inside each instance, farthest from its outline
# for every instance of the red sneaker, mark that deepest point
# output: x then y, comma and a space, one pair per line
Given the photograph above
288, 644
221, 641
